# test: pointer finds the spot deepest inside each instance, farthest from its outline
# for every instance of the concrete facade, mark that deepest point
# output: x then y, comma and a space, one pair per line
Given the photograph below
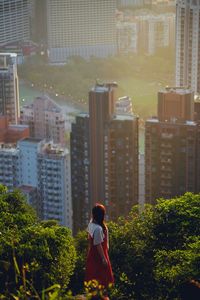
42, 171
14, 21
45, 119
104, 158
188, 44
9, 87
80, 28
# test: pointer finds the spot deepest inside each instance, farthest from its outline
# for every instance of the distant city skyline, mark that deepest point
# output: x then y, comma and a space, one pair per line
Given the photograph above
188, 44
104, 157
103, 163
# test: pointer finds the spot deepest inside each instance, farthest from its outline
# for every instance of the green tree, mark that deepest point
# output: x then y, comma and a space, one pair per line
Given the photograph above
77, 280
155, 253
39, 253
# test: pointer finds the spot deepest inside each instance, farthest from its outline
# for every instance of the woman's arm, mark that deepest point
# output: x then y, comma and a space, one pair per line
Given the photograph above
101, 253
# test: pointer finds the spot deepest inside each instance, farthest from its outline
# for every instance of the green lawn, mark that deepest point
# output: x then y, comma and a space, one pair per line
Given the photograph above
27, 94
143, 94
140, 77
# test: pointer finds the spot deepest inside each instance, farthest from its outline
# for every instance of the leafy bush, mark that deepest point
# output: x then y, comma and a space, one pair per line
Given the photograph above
156, 253
41, 253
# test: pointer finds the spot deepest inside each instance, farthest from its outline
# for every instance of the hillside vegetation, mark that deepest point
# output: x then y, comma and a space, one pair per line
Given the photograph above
155, 255
138, 76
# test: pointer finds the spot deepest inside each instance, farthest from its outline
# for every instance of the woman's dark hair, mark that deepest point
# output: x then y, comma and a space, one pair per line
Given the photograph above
98, 213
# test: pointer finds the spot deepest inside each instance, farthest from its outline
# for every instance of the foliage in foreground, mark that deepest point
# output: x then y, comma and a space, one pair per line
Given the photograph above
157, 253
39, 253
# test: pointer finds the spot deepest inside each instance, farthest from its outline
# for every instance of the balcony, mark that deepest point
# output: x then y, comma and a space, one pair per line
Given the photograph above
165, 135
164, 183
166, 176
166, 153
166, 161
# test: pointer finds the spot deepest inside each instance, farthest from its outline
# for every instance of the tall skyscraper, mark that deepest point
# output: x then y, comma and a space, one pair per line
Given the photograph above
121, 167
80, 27
188, 44
14, 21
171, 154
42, 171
104, 158
101, 111
9, 87
54, 176
80, 173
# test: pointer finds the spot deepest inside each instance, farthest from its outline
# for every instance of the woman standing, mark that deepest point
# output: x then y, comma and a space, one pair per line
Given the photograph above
98, 265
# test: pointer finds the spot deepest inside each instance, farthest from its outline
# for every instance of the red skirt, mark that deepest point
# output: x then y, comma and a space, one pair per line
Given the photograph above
94, 266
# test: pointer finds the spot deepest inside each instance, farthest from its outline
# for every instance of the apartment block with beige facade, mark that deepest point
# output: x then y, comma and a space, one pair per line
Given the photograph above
45, 119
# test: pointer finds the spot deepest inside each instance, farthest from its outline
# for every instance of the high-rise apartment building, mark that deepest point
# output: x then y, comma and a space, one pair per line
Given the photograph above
101, 111
9, 87
9, 166
54, 175
170, 159
145, 33
188, 44
104, 158
80, 28
176, 104
42, 171
171, 147
14, 21
45, 119
121, 169
80, 177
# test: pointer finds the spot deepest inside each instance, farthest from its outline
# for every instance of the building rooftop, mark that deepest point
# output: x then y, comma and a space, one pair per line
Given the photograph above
8, 54
32, 140
83, 115
49, 104
176, 90
124, 117
104, 87
153, 120
11, 148
54, 150
172, 122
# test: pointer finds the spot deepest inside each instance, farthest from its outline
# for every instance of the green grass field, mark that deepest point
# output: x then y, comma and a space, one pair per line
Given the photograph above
27, 94
143, 94
140, 77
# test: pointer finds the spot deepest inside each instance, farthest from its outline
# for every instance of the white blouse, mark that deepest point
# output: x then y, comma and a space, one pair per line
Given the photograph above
96, 232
